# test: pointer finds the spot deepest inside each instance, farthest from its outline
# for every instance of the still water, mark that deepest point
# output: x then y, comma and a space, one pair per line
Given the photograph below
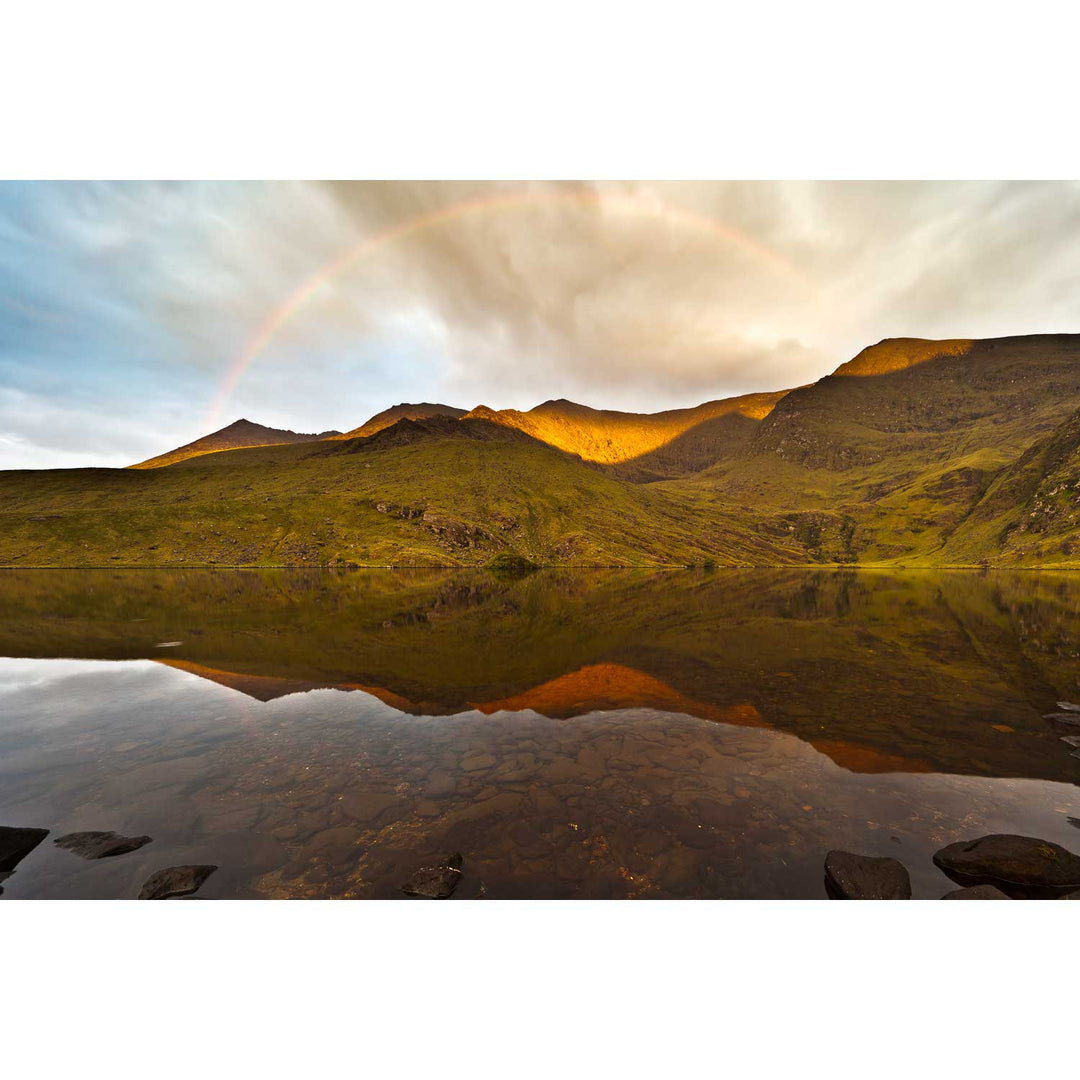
577, 734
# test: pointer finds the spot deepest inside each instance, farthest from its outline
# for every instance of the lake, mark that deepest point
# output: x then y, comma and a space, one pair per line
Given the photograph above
572, 734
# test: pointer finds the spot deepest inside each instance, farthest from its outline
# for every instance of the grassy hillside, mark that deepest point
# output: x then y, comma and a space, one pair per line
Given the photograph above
886, 463
435, 492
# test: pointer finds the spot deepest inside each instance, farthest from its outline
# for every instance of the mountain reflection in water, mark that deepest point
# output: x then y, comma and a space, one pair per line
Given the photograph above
572, 734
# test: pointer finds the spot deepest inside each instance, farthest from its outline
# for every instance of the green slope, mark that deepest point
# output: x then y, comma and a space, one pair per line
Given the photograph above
434, 492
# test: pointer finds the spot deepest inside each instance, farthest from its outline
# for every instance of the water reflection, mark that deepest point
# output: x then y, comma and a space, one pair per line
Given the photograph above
587, 734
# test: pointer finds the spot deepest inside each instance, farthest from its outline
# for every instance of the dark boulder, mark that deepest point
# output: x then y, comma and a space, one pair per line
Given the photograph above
100, 845
1022, 866
175, 881
435, 882
16, 844
977, 892
863, 877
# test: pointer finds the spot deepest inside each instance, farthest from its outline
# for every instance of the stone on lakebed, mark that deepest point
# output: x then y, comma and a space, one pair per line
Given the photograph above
977, 892
1022, 866
864, 877
100, 845
435, 882
175, 881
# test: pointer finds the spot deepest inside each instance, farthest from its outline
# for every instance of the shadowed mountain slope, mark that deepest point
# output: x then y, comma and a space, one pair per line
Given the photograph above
405, 411
239, 434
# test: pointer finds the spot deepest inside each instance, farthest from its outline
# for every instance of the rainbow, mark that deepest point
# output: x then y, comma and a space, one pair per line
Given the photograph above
614, 202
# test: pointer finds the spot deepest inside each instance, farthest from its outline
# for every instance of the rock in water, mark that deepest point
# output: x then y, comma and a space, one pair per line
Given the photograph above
1063, 717
1018, 865
100, 845
435, 882
175, 881
863, 877
977, 892
16, 844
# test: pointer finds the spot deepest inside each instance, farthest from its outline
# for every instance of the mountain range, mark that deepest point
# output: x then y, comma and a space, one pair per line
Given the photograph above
915, 452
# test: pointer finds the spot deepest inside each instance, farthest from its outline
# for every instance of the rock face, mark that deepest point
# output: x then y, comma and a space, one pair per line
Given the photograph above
16, 844
977, 892
100, 845
1022, 866
863, 877
175, 881
435, 882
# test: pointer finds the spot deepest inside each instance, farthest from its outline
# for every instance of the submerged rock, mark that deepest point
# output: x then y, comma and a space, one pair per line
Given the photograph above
864, 877
175, 881
100, 845
977, 892
16, 844
435, 882
1019, 865
1063, 717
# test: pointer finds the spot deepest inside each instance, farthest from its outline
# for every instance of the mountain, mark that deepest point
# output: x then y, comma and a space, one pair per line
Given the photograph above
239, 434
886, 458
423, 410
915, 453
612, 438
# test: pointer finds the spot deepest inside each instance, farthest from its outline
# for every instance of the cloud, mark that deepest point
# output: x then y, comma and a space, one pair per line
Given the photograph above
123, 307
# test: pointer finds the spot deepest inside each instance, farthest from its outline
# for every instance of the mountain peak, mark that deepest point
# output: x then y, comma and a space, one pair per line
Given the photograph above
235, 436
405, 410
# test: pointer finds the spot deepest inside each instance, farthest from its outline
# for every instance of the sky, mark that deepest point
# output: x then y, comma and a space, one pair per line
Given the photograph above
135, 317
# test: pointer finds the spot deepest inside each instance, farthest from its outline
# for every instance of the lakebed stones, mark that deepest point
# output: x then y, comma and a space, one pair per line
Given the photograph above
864, 877
977, 892
435, 882
100, 845
1022, 866
16, 844
175, 881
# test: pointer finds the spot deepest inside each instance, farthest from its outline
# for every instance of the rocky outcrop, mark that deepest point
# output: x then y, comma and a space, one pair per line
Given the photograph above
864, 877
1022, 866
175, 881
100, 845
